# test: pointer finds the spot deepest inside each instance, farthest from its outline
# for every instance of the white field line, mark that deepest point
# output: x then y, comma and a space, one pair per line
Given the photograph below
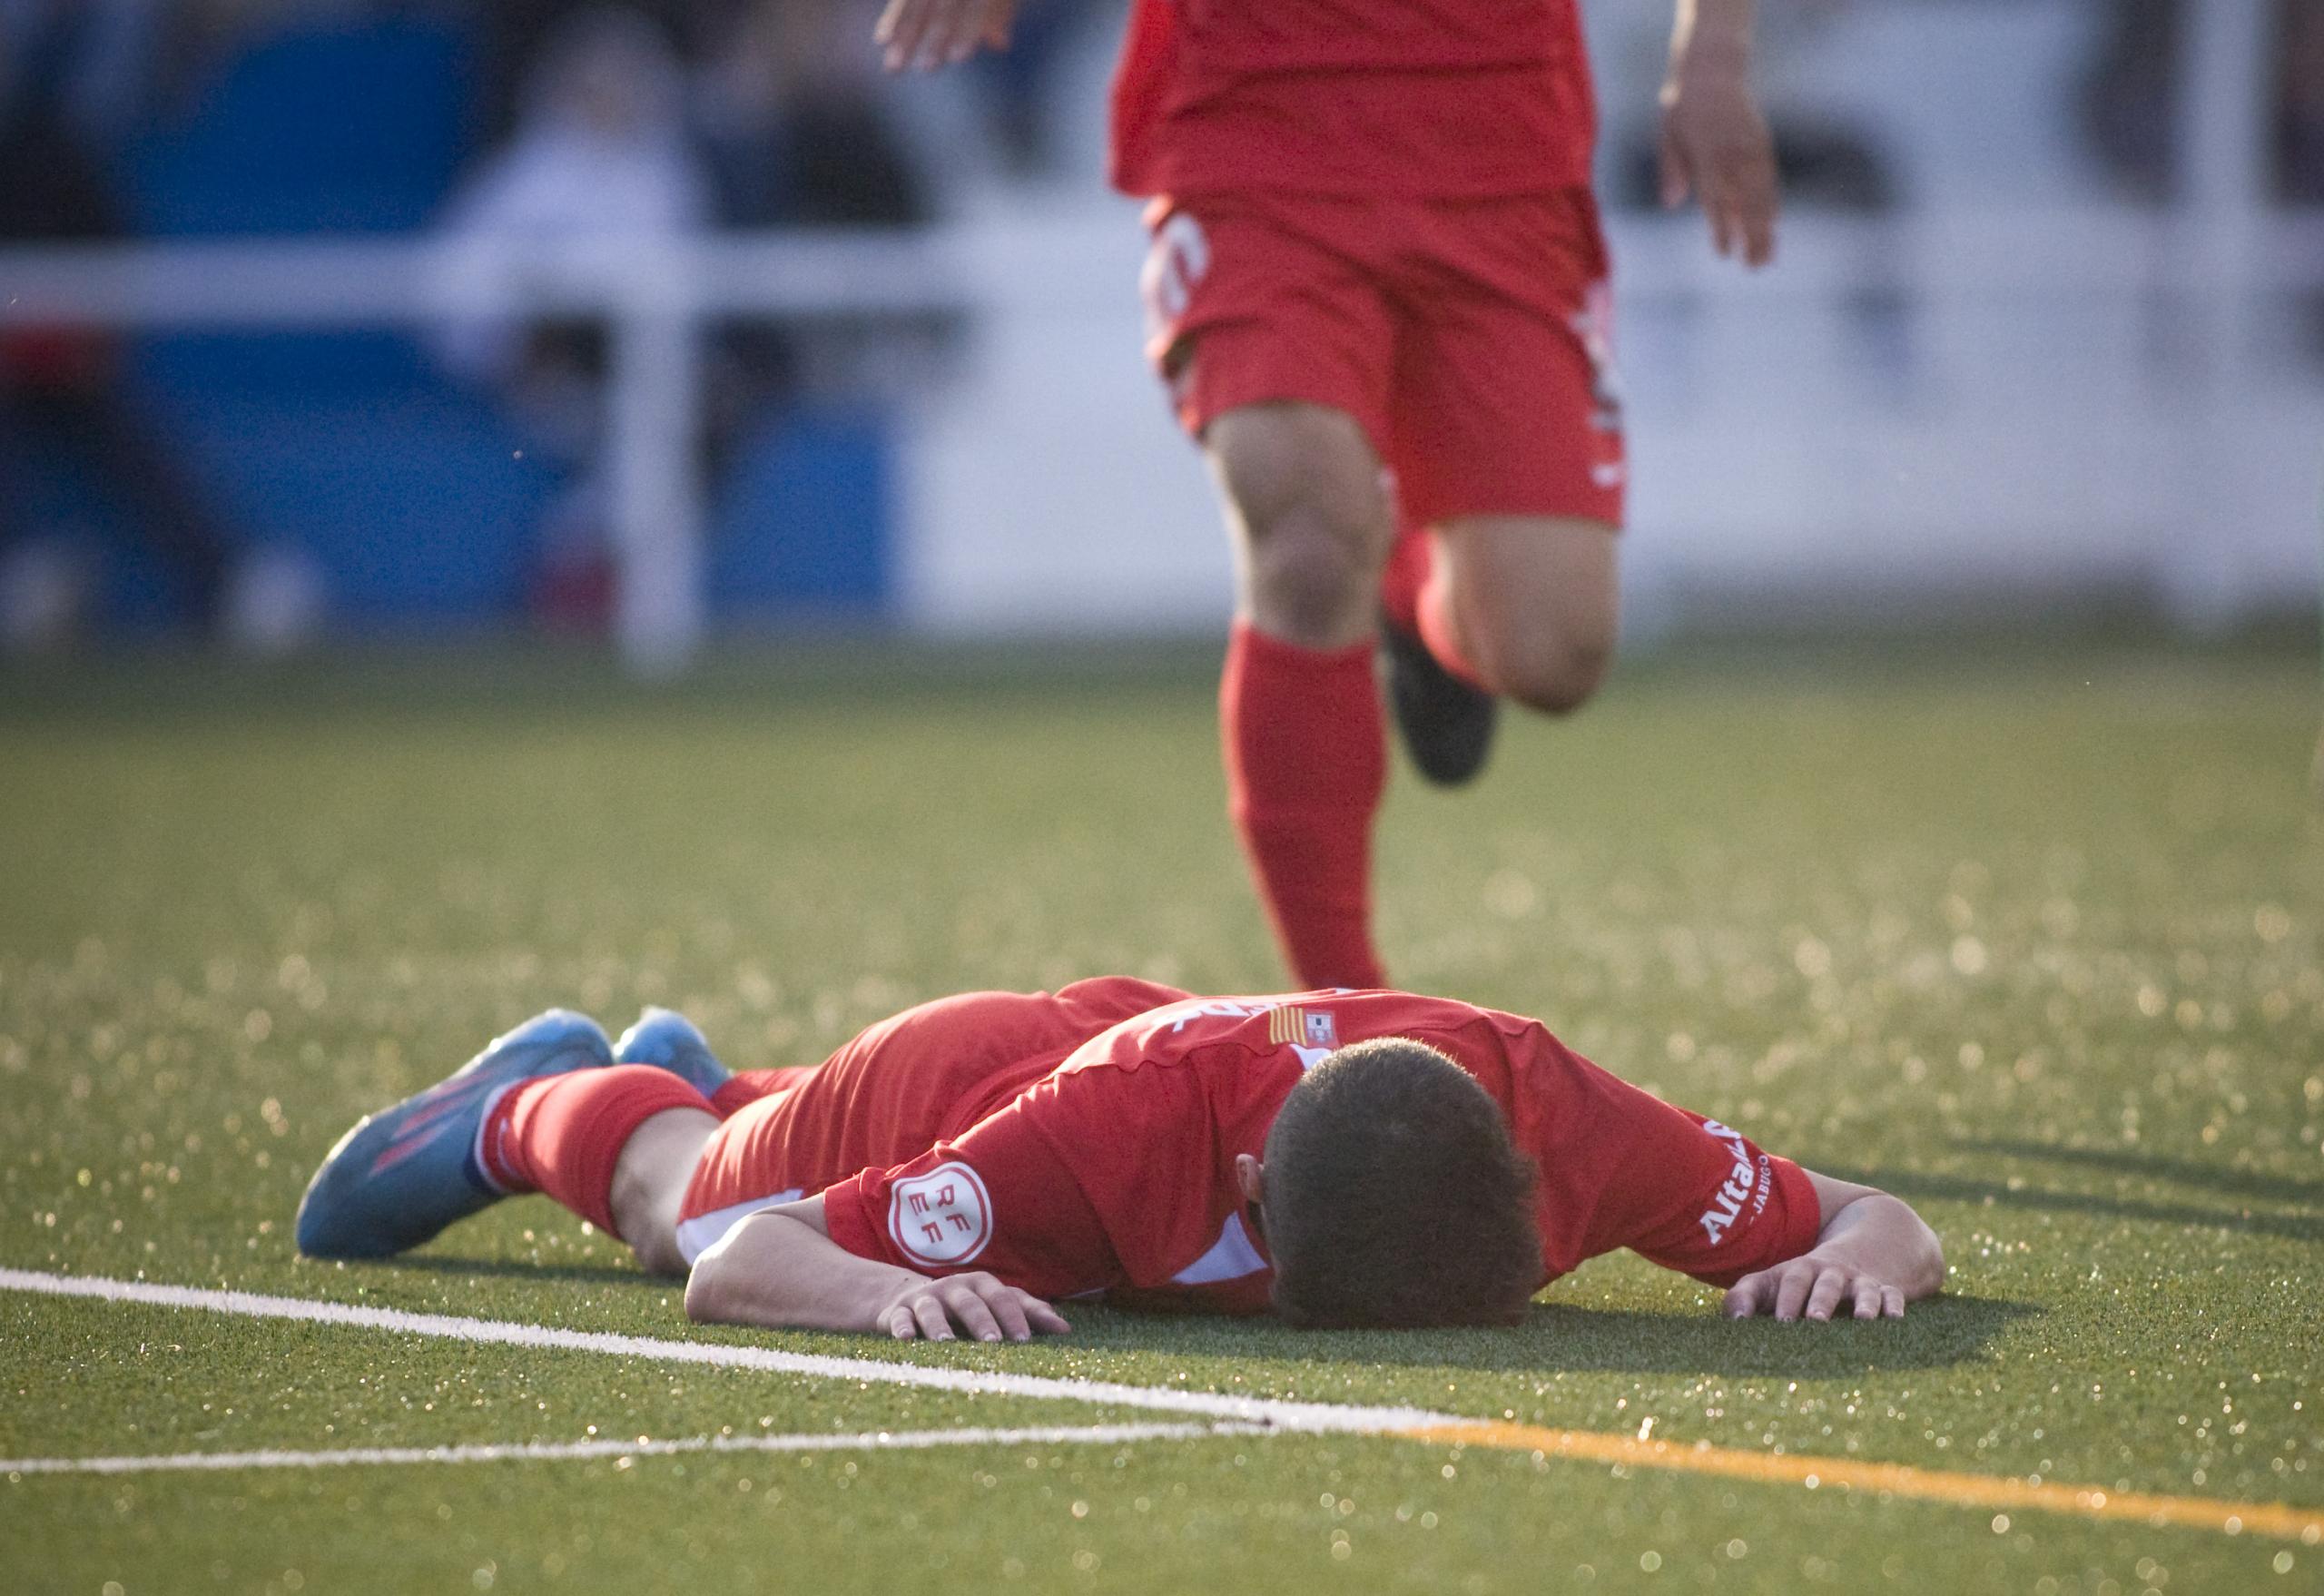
568, 1451
1307, 1417
1241, 1415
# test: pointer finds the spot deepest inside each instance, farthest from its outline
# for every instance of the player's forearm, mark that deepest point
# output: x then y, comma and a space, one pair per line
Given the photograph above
1882, 1237
1712, 30
776, 1272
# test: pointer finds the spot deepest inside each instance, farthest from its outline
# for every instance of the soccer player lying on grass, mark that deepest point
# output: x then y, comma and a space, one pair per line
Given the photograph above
1341, 1158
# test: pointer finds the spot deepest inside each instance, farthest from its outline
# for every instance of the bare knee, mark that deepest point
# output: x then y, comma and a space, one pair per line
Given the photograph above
1553, 674
1534, 602
1303, 489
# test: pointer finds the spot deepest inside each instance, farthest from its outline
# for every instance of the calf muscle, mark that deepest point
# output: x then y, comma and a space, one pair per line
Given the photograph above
650, 1185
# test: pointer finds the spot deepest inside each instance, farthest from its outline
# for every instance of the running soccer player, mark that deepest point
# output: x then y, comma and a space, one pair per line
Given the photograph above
1378, 294
1340, 1158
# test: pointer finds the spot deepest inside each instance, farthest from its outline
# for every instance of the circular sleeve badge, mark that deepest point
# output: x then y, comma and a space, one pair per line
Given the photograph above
940, 1219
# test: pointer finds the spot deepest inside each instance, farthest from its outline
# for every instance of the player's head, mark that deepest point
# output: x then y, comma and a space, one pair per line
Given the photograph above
1393, 1197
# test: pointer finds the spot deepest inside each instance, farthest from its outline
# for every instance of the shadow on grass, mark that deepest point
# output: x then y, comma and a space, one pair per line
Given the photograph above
2243, 1183
1964, 1188
1559, 1338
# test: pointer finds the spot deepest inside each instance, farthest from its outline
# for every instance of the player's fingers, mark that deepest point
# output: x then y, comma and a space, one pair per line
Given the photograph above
899, 31
1831, 1285
1710, 194
1041, 1316
1672, 162
1747, 1296
999, 15
969, 20
953, 37
1755, 204
928, 1308
935, 20
1892, 1301
1007, 1311
1867, 1300
900, 1322
1725, 227
965, 1302
1791, 1291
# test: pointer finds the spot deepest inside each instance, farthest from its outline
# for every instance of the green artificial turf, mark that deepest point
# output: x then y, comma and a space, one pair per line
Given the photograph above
2029, 936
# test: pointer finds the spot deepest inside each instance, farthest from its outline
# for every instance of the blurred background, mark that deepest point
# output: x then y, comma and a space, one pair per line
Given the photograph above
349, 319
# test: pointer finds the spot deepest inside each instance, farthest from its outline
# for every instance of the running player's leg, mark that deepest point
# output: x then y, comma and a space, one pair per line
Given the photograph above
1278, 346
1528, 603
1510, 444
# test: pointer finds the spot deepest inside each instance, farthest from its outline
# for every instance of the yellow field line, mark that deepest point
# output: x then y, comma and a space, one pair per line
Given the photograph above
2001, 1491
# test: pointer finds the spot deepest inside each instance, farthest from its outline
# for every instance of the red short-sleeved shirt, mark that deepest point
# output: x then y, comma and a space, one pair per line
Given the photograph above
1115, 1172
1413, 99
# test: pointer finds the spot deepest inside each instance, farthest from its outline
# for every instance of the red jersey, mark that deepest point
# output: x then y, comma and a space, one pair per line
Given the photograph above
1114, 1172
1413, 99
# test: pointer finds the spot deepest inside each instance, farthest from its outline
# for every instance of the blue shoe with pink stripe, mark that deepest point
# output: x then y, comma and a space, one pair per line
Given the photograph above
668, 1040
403, 1174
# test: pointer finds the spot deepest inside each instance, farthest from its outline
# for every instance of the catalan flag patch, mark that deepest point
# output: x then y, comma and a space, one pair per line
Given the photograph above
1302, 1028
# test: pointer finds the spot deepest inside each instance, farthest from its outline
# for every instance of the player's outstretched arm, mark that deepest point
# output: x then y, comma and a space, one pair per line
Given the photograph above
1714, 142
930, 33
780, 1269
1874, 1254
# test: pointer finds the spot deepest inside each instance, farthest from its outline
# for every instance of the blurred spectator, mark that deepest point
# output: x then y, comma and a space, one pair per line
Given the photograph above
599, 151
1023, 79
514, 35
2130, 97
788, 115
74, 76
2300, 105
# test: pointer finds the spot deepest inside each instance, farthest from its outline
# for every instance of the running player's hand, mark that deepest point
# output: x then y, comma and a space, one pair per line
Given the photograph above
982, 1307
930, 33
1810, 1288
1715, 146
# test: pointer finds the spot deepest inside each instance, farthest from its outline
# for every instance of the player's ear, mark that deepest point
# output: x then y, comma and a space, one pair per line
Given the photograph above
1250, 1176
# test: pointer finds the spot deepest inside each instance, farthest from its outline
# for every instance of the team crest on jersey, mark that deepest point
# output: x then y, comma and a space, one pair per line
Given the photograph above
942, 1217
1302, 1028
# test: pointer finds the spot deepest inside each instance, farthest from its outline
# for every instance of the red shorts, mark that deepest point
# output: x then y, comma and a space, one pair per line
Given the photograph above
891, 1094
1471, 339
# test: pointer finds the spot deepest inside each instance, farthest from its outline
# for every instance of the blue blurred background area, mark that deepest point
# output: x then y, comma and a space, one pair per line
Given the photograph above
413, 489
2048, 327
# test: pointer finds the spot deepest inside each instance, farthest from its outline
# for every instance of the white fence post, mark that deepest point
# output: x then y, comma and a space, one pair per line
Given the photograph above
654, 432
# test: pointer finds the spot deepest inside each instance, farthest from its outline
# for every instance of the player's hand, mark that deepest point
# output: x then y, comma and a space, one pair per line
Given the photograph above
1813, 1287
981, 1307
1717, 147
930, 33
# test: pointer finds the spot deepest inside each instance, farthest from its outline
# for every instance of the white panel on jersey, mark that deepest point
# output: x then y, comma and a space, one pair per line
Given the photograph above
698, 1235
1230, 1258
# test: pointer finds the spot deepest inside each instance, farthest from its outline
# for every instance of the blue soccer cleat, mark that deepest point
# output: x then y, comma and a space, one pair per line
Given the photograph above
403, 1174
668, 1040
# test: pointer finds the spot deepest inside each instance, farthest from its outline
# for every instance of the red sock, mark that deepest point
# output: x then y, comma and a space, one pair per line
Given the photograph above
563, 1135
1306, 762
1407, 572
1434, 611
1419, 600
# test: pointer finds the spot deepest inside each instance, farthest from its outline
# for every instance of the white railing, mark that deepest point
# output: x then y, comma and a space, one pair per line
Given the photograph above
654, 294
1991, 299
